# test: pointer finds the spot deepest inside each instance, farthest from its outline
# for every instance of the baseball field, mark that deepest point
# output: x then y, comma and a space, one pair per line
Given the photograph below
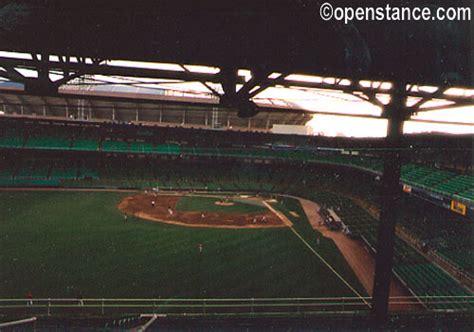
68, 243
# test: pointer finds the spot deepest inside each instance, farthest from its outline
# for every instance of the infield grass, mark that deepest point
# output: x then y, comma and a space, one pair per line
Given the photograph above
60, 244
208, 204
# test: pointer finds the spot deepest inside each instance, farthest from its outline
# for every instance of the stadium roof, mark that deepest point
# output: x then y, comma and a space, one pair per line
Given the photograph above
278, 35
194, 54
158, 109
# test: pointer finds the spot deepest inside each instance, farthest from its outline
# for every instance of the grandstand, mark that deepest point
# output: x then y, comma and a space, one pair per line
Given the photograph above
449, 184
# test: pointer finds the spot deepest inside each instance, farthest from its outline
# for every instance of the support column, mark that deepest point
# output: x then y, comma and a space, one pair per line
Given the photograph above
390, 209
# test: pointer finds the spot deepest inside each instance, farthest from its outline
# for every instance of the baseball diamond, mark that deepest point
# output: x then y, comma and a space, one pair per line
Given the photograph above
201, 211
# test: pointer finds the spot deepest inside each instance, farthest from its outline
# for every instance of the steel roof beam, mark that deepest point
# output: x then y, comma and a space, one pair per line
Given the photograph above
104, 69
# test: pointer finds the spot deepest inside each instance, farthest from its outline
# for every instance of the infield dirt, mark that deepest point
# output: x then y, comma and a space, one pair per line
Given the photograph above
141, 206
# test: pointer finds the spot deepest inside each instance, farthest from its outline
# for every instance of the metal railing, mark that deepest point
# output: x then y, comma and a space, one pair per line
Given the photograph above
229, 307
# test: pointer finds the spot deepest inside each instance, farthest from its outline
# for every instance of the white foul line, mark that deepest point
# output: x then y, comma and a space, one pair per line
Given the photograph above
284, 219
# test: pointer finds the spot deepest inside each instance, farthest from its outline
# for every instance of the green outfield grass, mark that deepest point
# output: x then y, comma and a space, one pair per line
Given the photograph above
208, 204
60, 244
326, 247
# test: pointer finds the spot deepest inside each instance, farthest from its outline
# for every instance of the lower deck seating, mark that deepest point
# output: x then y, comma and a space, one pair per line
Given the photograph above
11, 141
421, 276
141, 147
63, 173
429, 178
29, 183
85, 144
115, 146
441, 231
32, 171
55, 143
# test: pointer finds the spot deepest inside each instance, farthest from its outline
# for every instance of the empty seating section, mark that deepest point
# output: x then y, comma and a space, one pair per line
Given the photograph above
6, 172
55, 143
467, 194
421, 276
437, 177
141, 147
29, 182
462, 255
428, 178
170, 176
60, 172
42, 171
85, 144
424, 278
456, 185
115, 146
87, 173
460, 187
367, 163
30, 174
11, 139
32, 171
167, 149
441, 181
200, 151
442, 232
413, 175
444, 182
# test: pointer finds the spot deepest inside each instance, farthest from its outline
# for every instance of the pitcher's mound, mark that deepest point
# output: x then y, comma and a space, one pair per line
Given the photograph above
224, 203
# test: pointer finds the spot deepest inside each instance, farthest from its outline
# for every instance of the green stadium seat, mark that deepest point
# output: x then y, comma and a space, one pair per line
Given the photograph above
456, 185
467, 194
63, 173
56, 143
115, 146
85, 144
141, 147
29, 183
33, 172
167, 149
11, 141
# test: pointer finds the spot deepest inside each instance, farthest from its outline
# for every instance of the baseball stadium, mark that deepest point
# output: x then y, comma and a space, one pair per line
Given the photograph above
234, 166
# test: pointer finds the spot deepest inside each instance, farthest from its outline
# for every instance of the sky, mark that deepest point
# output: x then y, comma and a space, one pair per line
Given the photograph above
317, 100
